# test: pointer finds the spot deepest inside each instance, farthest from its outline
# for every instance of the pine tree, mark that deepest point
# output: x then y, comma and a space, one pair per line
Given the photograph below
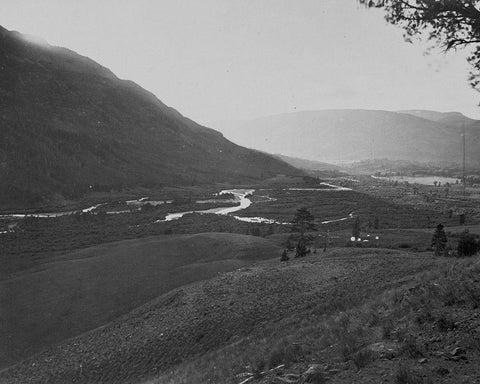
356, 228
301, 249
439, 240
302, 222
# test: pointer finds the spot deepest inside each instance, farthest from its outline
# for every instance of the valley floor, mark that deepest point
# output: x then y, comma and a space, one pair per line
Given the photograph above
97, 298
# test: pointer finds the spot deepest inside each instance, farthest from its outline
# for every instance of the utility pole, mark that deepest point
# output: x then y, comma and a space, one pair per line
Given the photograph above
463, 168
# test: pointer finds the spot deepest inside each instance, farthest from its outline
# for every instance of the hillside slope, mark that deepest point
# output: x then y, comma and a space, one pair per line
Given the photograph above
85, 289
70, 126
270, 300
347, 135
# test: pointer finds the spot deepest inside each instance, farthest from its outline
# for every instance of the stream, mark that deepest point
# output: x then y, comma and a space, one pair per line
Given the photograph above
240, 196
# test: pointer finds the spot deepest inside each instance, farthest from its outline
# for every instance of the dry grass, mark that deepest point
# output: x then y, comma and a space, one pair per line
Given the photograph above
86, 289
293, 314
406, 375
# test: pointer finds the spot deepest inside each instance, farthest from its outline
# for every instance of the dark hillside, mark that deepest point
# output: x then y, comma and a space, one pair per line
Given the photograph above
70, 126
88, 288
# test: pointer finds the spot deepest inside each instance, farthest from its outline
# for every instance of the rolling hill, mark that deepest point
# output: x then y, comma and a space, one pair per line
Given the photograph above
70, 126
211, 330
86, 289
350, 135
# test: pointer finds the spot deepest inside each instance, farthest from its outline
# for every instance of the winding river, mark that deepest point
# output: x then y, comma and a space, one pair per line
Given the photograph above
240, 196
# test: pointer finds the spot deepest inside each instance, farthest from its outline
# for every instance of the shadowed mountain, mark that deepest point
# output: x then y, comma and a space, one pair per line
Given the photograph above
70, 126
347, 135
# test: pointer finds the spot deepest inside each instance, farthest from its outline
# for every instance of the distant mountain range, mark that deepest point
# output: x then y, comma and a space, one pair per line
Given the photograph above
348, 135
309, 165
70, 126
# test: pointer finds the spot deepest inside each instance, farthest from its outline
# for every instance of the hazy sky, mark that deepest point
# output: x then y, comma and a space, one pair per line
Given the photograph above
241, 59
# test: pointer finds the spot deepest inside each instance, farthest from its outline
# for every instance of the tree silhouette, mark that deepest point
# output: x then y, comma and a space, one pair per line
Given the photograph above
376, 223
447, 24
356, 228
302, 222
439, 240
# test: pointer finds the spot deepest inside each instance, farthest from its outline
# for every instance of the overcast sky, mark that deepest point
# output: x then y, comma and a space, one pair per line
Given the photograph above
240, 59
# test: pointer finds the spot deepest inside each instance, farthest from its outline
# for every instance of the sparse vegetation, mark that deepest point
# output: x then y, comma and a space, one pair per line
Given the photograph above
439, 240
406, 375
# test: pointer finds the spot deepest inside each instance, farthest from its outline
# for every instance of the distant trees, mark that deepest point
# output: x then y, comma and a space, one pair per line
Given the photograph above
302, 222
439, 240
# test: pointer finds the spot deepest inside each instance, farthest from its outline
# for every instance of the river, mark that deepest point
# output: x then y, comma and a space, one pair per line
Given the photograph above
240, 196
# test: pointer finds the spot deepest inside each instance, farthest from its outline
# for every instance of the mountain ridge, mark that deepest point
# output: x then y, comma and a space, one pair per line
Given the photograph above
70, 127
357, 134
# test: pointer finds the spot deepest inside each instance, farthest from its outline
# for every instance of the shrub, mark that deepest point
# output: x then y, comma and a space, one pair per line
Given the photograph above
387, 328
467, 244
284, 256
406, 375
300, 249
362, 358
284, 353
410, 347
444, 324
349, 340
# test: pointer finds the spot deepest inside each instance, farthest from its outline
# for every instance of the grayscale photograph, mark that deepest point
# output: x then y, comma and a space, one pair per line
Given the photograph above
239, 191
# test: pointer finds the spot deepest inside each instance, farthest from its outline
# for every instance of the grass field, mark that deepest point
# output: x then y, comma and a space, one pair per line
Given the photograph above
331, 205
85, 289
246, 306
